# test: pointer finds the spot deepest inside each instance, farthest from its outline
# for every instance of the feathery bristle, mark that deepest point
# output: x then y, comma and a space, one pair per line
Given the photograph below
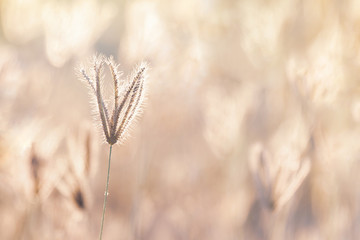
127, 99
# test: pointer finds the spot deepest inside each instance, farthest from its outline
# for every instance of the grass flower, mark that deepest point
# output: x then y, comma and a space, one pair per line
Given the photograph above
128, 98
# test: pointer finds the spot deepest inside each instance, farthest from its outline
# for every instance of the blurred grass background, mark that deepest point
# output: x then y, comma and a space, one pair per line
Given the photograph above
250, 130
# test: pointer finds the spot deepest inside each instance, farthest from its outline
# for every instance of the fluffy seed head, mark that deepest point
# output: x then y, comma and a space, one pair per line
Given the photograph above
128, 96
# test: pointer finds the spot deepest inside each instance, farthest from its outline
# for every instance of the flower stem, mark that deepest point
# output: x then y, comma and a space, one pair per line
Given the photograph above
106, 194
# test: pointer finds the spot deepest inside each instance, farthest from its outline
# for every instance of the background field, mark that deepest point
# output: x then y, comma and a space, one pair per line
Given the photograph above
250, 130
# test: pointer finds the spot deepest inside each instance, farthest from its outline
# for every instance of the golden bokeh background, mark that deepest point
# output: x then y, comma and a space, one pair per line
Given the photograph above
250, 129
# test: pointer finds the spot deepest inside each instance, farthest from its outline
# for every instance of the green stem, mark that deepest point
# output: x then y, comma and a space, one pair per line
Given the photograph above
106, 194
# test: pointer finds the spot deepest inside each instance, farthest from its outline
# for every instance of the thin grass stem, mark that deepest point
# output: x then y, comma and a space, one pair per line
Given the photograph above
106, 194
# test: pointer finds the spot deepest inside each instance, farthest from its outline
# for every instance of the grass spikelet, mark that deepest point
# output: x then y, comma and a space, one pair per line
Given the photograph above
128, 98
